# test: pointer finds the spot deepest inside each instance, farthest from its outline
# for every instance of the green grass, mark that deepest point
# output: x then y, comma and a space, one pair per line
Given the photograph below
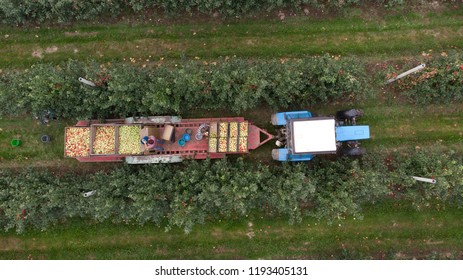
32, 152
388, 230
29, 132
386, 37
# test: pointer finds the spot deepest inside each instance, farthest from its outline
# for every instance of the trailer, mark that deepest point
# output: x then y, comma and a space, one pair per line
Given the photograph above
172, 138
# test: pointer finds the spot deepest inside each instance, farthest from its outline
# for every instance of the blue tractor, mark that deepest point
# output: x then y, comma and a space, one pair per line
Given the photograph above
302, 135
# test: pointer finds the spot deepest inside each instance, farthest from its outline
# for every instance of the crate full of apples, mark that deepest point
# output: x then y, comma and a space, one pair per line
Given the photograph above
233, 129
233, 145
213, 145
129, 140
223, 130
104, 142
243, 144
223, 145
77, 142
244, 129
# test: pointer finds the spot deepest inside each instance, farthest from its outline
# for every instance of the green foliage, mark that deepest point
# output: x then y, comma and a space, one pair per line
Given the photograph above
126, 90
440, 82
288, 193
126, 87
61, 11
341, 185
13, 94
237, 84
446, 168
198, 191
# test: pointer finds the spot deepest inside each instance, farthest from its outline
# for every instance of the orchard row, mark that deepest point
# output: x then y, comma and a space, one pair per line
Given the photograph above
196, 192
65, 11
236, 84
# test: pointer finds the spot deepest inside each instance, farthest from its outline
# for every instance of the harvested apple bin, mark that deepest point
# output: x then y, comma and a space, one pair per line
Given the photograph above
77, 142
104, 142
129, 140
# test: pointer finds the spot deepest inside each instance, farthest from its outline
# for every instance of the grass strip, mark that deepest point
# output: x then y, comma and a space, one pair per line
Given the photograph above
389, 230
386, 37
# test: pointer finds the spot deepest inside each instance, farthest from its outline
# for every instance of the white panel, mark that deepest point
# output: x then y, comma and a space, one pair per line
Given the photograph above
312, 136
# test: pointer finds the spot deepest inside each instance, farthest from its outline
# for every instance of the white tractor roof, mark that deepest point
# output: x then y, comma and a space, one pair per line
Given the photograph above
314, 135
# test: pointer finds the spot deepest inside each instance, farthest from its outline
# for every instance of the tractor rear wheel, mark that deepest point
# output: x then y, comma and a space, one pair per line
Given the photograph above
352, 152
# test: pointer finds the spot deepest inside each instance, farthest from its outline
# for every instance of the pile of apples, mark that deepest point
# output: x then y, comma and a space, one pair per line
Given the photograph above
104, 142
244, 129
222, 145
223, 130
243, 144
213, 145
233, 144
77, 143
233, 129
129, 139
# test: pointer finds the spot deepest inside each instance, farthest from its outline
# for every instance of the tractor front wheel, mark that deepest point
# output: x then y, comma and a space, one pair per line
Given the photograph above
348, 114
